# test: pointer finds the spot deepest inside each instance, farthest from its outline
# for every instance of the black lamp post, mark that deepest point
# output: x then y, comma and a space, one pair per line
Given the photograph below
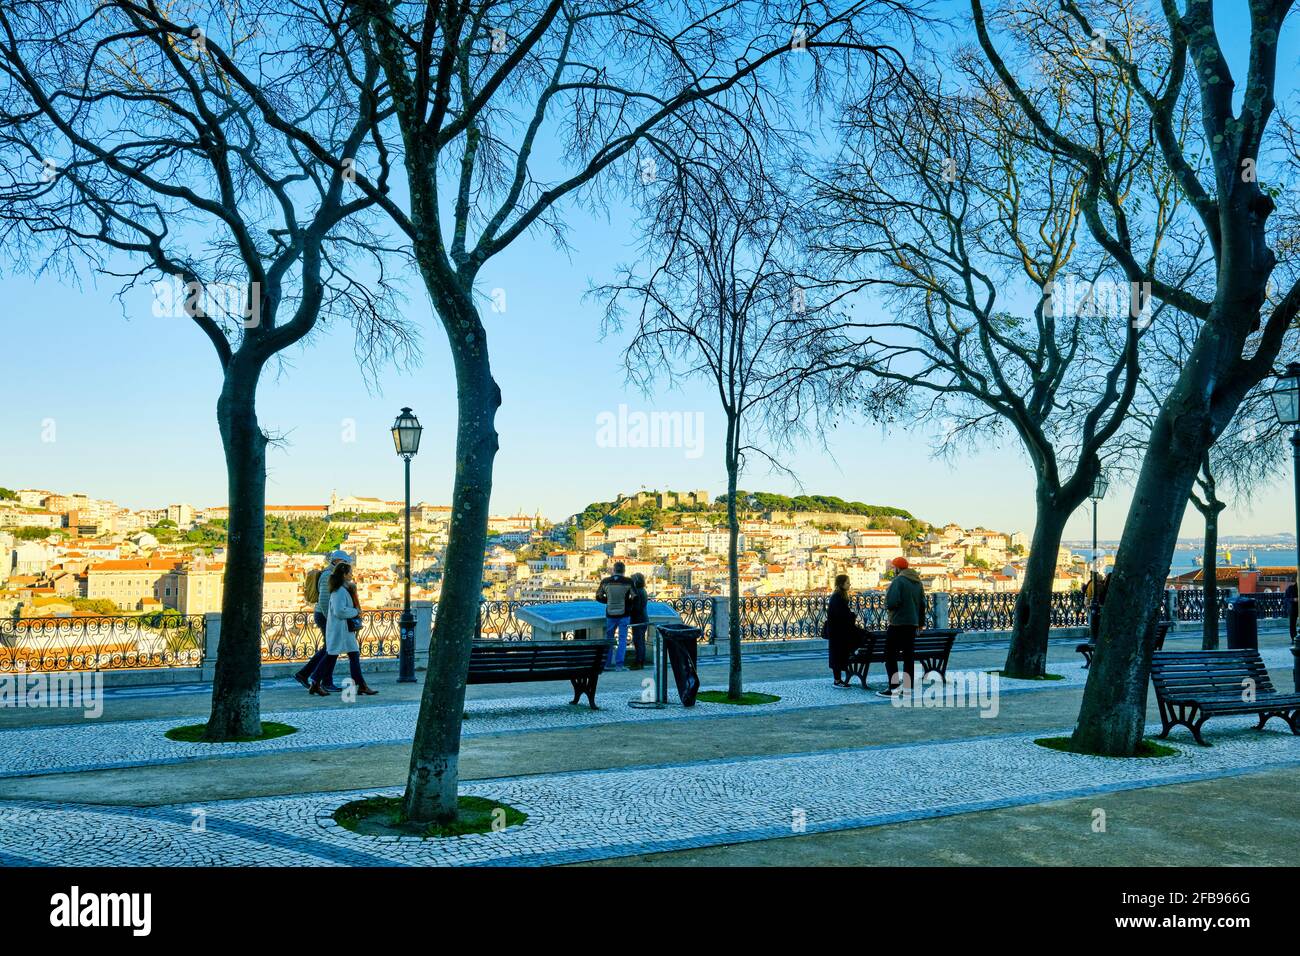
1286, 402
406, 437
1099, 486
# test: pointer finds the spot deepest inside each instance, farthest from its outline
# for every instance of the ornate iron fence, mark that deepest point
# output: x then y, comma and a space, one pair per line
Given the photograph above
781, 618
293, 635
697, 612
792, 617
1271, 604
982, 610
1189, 603
497, 621
101, 643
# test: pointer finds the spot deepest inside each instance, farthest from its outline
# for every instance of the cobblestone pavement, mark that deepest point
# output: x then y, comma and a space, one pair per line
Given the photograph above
99, 745
601, 814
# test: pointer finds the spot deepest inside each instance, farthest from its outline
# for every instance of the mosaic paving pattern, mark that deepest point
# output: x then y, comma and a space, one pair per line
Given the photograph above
98, 745
610, 813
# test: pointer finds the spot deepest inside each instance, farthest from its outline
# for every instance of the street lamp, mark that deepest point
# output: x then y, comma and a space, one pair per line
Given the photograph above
1099, 486
1286, 402
406, 438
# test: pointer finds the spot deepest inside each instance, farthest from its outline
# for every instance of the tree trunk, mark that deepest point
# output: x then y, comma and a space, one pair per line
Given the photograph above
237, 681
735, 685
1210, 581
432, 783
1027, 656
1113, 714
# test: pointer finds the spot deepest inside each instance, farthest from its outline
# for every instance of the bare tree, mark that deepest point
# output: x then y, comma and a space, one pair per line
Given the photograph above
718, 304
475, 89
985, 298
1217, 172
1250, 452
127, 142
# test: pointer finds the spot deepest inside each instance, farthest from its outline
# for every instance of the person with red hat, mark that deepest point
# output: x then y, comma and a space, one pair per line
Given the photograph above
905, 602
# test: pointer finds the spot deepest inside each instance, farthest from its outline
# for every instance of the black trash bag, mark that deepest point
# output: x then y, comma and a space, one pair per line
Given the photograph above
680, 642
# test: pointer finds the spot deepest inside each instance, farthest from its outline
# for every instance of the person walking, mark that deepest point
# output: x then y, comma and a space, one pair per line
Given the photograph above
613, 593
341, 632
905, 602
841, 630
321, 615
638, 602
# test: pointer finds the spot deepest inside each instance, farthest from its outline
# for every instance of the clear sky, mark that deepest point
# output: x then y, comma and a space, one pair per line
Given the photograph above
128, 400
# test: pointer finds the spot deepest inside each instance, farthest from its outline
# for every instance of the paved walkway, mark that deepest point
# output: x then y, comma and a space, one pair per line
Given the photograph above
592, 815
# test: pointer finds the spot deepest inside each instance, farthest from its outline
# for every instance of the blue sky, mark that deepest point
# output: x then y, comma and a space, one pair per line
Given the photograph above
132, 400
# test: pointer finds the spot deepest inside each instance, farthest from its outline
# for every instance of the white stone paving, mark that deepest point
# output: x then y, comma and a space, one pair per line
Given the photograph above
610, 813
96, 745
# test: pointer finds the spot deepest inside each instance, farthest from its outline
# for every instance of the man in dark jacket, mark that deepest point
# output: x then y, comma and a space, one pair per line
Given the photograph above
614, 592
905, 602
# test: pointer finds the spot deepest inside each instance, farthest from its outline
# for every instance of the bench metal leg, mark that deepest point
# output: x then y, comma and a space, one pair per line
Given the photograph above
859, 670
1292, 719
1087, 656
584, 685
1173, 715
1196, 730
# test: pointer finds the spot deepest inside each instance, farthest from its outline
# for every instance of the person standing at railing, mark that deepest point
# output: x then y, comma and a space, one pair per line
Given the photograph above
841, 630
613, 593
637, 606
905, 602
341, 632
321, 616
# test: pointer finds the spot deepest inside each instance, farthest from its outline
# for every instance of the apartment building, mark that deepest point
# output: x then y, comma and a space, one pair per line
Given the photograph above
127, 582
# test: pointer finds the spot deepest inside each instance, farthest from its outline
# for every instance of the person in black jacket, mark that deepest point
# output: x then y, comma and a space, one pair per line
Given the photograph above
841, 630
637, 603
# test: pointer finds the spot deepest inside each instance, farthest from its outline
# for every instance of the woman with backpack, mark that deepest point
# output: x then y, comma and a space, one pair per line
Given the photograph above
341, 627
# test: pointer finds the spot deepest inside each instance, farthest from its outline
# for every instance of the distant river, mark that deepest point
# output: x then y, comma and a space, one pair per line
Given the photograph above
1185, 559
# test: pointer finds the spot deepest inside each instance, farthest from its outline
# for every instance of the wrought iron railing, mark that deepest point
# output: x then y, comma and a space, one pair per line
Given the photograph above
498, 621
696, 612
1189, 603
792, 617
982, 610
1271, 604
101, 643
294, 636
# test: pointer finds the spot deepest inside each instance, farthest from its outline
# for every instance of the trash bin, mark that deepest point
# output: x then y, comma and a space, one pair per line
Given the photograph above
680, 643
1243, 628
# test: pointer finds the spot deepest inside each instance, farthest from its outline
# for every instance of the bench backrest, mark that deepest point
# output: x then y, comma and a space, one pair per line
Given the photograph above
1191, 674
938, 641
504, 657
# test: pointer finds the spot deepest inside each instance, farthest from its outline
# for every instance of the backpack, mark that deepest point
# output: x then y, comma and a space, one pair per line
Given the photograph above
311, 587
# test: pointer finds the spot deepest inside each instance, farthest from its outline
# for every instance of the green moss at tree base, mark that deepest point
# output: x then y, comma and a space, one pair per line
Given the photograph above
193, 733
748, 698
384, 816
1145, 748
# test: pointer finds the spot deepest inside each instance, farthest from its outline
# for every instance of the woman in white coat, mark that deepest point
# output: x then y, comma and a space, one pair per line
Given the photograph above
339, 636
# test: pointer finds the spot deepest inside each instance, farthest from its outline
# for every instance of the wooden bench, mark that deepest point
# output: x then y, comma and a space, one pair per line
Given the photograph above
1088, 647
513, 662
931, 652
1193, 686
